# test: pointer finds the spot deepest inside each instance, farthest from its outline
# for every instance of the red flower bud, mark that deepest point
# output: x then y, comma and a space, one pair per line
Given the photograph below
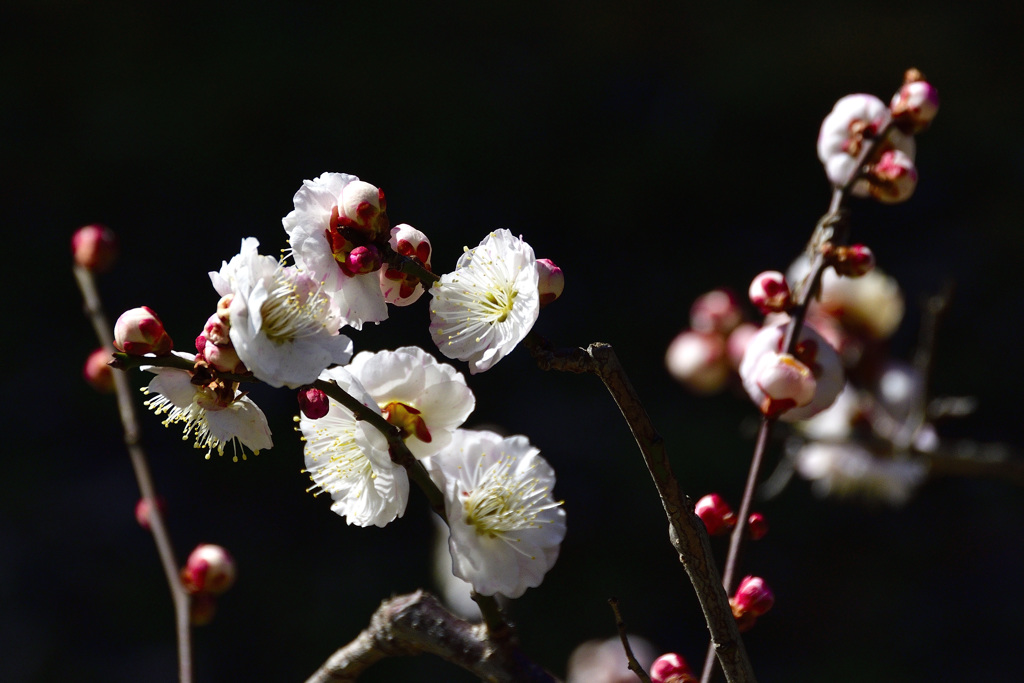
94, 247
716, 514
671, 668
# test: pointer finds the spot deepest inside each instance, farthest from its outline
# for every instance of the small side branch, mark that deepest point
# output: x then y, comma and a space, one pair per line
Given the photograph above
633, 665
417, 623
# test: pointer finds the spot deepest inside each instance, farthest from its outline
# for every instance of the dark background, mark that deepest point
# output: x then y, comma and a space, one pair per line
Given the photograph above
653, 150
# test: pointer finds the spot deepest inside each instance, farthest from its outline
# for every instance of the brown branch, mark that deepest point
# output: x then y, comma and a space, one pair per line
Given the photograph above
417, 623
129, 419
686, 531
620, 625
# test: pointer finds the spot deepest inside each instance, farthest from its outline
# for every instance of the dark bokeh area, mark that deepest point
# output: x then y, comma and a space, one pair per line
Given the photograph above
654, 151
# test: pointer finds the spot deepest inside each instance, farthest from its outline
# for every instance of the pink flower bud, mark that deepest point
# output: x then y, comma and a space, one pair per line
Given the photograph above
400, 288
94, 247
893, 178
363, 208
209, 569
313, 403
216, 330
362, 260
716, 514
139, 331
915, 104
221, 357
753, 597
698, 360
671, 668
97, 371
142, 511
852, 261
791, 386
757, 527
551, 281
715, 311
770, 292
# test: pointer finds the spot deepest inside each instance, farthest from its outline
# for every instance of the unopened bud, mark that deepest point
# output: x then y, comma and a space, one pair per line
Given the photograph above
362, 260
139, 331
363, 205
97, 371
915, 104
142, 511
94, 247
216, 330
753, 596
893, 178
716, 514
715, 311
757, 526
671, 668
402, 289
785, 382
209, 569
852, 261
770, 292
313, 403
698, 360
550, 279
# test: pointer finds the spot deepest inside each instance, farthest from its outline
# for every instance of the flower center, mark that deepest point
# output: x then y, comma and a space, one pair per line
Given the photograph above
407, 419
504, 504
497, 302
293, 310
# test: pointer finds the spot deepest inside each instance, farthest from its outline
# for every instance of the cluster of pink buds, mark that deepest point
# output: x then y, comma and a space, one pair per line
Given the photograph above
719, 518
704, 356
358, 220
208, 572
870, 147
139, 331
671, 668
751, 600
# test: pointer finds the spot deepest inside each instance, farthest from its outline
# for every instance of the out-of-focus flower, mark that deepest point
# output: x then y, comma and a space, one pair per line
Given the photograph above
399, 288
870, 305
138, 331
893, 178
915, 104
483, 309
331, 230
796, 386
209, 569
280, 320
216, 414
835, 423
94, 247
426, 399
604, 661
97, 371
348, 459
506, 528
716, 311
698, 360
848, 469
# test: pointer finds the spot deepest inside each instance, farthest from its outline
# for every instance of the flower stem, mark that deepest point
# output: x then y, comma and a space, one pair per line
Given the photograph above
129, 419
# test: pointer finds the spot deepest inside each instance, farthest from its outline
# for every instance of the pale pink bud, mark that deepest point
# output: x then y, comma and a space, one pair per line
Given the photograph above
94, 247
716, 514
698, 360
400, 288
97, 371
222, 357
791, 386
139, 331
736, 345
753, 596
142, 511
915, 104
893, 178
770, 292
671, 668
209, 569
757, 526
313, 403
364, 206
854, 120
551, 281
715, 311
216, 330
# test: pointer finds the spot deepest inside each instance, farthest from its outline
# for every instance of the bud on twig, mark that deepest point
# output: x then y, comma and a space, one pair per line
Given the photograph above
139, 331
94, 247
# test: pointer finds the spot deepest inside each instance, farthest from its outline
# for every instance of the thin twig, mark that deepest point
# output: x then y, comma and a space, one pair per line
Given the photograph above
686, 531
129, 419
633, 665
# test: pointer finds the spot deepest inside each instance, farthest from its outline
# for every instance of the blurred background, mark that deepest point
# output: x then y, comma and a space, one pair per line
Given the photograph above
654, 151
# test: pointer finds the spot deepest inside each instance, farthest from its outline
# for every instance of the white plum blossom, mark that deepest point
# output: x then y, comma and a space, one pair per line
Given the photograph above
848, 469
348, 459
215, 415
331, 229
426, 399
483, 309
506, 528
281, 322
